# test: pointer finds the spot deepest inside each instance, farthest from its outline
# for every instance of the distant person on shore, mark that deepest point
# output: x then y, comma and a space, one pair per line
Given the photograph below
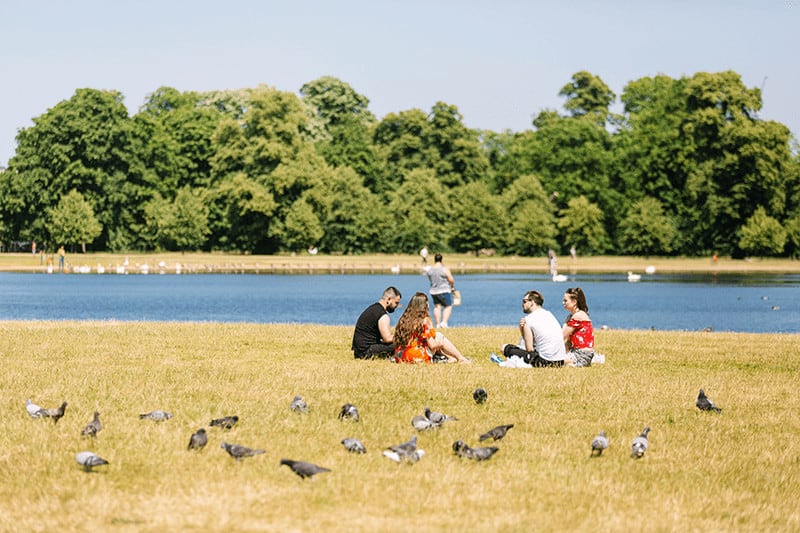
62, 254
573, 252
578, 332
417, 341
373, 337
442, 286
541, 342
424, 255
552, 261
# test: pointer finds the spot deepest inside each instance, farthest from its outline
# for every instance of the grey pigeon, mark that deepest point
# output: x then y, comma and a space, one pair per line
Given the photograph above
33, 410
437, 418
298, 405
349, 411
461, 449
238, 452
303, 469
409, 457
89, 460
496, 433
226, 422
156, 416
55, 413
640, 444
704, 403
406, 447
93, 427
421, 423
599, 444
354, 445
198, 440
479, 395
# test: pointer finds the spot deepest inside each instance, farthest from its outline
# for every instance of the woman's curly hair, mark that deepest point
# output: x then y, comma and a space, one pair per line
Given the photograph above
412, 323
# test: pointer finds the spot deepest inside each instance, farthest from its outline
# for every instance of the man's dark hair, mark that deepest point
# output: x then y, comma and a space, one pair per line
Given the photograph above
537, 298
392, 292
437, 258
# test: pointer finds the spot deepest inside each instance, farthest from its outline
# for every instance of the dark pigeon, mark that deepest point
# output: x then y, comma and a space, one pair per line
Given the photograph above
226, 422
198, 440
55, 413
479, 395
303, 469
599, 444
349, 411
640, 444
476, 454
298, 405
89, 460
156, 416
704, 403
354, 445
93, 427
496, 433
238, 451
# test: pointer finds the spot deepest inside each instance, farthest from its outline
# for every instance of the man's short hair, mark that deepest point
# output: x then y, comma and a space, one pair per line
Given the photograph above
437, 258
391, 292
537, 298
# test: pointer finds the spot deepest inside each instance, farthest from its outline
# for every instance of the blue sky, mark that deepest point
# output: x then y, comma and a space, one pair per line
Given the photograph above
499, 62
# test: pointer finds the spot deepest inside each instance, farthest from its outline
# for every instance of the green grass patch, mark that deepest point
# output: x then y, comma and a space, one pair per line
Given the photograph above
738, 470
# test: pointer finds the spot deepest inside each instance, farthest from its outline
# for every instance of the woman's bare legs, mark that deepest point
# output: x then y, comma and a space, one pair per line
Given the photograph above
444, 346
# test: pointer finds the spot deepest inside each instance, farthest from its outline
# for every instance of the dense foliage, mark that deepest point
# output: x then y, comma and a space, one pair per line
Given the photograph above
687, 168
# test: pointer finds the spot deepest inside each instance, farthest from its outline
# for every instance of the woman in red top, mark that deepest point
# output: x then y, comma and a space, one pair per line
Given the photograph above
416, 340
578, 331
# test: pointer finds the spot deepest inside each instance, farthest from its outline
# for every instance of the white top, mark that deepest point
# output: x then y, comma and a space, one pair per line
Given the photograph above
547, 337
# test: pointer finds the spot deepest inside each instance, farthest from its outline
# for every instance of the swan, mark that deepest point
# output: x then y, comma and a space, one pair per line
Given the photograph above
559, 277
634, 277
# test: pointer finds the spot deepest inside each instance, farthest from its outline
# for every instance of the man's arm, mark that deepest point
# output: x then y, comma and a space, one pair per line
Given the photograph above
527, 336
385, 328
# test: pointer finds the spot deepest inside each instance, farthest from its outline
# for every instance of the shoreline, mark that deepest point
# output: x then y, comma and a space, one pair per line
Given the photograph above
304, 263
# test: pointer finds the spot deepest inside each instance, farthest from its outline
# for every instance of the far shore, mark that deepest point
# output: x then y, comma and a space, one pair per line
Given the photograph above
305, 263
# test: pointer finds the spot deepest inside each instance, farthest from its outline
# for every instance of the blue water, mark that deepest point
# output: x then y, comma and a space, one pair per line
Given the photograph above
745, 303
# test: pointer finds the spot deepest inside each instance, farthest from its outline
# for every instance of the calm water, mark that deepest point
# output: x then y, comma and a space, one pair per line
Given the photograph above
752, 303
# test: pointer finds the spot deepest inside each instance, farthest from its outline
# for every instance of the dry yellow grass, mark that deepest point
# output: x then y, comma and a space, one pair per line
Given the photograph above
737, 471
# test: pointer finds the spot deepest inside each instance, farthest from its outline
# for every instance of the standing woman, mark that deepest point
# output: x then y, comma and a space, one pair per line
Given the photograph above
416, 340
578, 331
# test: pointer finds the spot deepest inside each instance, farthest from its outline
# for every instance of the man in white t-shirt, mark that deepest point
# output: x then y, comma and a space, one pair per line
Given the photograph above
541, 342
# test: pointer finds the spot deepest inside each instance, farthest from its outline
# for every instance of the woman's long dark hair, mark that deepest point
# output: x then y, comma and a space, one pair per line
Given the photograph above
413, 320
580, 298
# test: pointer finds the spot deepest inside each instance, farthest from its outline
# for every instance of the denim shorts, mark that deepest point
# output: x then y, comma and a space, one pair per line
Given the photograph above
445, 299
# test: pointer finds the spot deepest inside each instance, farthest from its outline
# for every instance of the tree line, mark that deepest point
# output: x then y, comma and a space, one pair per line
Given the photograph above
687, 168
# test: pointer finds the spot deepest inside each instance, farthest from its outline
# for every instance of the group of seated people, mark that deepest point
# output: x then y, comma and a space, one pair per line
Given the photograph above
543, 340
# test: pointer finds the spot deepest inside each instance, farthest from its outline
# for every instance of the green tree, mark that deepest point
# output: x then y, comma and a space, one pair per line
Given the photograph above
587, 95
581, 225
72, 221
532, 225
762, 235
302, 227
476, 219
419, 209
792, 227
646, 229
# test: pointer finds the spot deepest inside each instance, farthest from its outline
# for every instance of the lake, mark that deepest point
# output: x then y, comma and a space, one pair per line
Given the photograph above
744, 303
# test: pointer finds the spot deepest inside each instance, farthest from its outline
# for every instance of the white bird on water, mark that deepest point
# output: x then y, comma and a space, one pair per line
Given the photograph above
634, 277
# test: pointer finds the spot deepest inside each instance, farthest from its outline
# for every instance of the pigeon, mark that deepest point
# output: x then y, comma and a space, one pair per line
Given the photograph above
599, 443
226, 422
298, 405
33, 410
238, 452
479, 395
704, 403
437, 418
496, 433
349, 411
354, 445
89, 460
421, 423
303, 469
409, 458
640, 444
198, 440
156, 416
406, 447
55, 413
477, 454
93, 427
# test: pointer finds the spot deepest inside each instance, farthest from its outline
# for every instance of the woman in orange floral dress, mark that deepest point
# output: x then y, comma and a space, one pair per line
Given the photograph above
416, 340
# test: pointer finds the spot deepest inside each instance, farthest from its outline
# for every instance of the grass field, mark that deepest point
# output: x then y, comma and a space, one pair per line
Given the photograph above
385, 263
734, 471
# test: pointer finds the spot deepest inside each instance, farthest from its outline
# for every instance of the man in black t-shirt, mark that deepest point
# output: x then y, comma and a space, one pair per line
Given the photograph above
373, 337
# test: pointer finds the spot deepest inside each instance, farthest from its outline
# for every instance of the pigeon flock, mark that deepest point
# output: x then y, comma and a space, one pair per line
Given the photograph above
406, 452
